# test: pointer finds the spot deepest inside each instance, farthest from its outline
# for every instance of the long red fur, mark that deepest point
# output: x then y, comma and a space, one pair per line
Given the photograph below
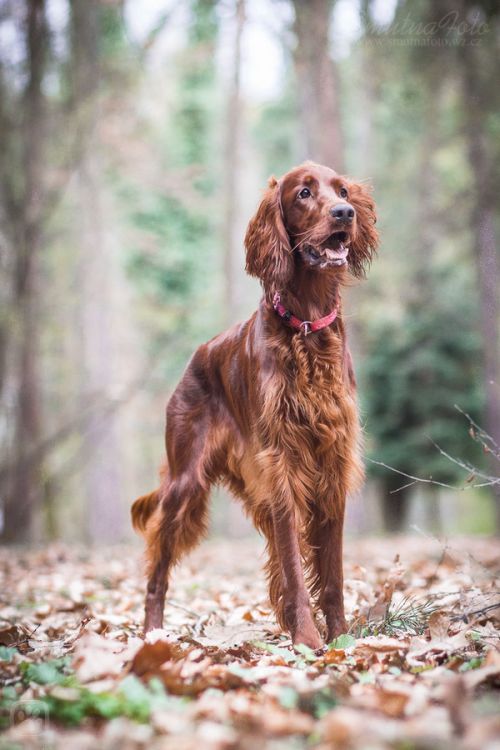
272, 415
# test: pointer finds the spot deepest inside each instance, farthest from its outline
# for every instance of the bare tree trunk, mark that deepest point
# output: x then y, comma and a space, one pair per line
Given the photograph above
395, 504
477, 98
24, 489
231, 170
101, 462
7, 208
318, 85
369, 63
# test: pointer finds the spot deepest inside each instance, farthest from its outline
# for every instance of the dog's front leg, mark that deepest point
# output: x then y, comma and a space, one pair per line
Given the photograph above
294, 608
327, 543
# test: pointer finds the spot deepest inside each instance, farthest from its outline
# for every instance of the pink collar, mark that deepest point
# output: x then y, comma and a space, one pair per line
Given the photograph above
307, 326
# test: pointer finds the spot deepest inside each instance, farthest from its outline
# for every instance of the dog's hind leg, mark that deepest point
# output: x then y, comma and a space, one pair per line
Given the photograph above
195, 451
180, 522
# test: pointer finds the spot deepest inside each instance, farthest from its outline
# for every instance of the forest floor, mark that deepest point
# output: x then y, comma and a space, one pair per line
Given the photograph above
417, 670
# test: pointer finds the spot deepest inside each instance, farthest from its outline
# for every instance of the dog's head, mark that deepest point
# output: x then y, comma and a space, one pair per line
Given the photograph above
312, 220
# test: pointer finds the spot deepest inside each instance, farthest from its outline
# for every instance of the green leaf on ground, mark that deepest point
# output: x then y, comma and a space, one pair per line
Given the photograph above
52, 672
342, 642
7, 653
306, 651
288, 656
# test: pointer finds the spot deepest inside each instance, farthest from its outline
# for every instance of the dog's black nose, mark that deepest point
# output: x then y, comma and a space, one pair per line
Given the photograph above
343, 212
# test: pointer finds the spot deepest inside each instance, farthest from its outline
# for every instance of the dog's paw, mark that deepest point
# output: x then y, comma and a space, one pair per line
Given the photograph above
308, 637
336, 626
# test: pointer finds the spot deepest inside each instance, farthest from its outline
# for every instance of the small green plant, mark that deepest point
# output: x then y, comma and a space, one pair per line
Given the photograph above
132, 699
54, 672
409, 617
473, 663
8, 698
69, 702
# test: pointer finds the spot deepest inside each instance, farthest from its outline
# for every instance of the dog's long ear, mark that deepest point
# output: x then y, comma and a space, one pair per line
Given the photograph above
268, 251
365, 240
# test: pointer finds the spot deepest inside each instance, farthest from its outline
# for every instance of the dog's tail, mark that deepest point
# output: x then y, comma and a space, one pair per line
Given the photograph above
143, 508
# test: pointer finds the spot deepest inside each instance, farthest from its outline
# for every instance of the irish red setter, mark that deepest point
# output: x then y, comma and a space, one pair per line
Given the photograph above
268, 408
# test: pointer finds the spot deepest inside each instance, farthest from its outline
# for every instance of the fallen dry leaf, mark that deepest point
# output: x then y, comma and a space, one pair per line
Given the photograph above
10, 635
96, 657
367, 647
153, 655
334, 656
232, 636
441, 647
439, 623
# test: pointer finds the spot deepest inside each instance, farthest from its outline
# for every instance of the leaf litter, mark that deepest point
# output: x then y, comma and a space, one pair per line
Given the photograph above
419, 667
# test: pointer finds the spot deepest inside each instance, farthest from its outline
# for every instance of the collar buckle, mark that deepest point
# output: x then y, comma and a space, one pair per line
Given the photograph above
306, 326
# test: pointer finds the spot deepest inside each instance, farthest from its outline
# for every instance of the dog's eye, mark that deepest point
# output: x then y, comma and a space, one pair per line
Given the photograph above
343, 193
305, 193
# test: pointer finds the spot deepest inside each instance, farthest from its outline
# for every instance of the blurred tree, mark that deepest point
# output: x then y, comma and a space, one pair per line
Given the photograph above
275, 132
24, 198
478, 70
174, 265
419, 144
416, 370
370, 78
196, 88
317, 84
92, 26
232, 168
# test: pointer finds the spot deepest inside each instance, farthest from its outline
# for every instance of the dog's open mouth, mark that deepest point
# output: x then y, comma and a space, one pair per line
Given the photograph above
332, 252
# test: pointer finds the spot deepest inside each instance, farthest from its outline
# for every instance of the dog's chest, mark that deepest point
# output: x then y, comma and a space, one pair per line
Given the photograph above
314, 402
308, 426
320, 406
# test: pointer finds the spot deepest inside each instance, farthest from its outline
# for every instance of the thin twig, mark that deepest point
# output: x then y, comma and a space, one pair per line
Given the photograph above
403, 487
465, 465
482, 435
429, 480
424, 480
464, 615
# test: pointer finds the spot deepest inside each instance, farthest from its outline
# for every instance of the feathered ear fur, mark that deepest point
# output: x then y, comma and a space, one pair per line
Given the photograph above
365, 242
268, 251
